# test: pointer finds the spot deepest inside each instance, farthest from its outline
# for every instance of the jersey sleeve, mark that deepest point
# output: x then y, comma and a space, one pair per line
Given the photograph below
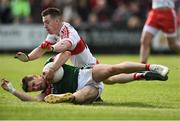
52, 39
68, 33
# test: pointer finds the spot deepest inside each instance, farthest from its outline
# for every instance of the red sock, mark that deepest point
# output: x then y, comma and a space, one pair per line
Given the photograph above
147, 67
137, 76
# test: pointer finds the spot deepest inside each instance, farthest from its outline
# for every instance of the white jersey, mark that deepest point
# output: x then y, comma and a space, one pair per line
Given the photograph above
162, 3
81, 54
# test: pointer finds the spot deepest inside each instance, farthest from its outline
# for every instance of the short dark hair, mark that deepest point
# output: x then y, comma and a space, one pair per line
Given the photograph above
53, 12
25, 82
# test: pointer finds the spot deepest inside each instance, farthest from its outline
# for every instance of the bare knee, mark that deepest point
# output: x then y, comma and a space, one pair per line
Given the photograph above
85, 95
109, 81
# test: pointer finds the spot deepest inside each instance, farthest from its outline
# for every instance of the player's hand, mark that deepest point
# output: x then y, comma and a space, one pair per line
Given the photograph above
4, 84
46, 45
48, 75
22, 57
7, 85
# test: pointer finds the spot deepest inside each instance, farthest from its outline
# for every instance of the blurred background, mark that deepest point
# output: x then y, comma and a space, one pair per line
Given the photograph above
108, 26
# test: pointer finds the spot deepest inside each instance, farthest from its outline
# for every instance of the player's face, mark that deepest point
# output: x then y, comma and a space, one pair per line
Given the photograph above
37, 84
51, 24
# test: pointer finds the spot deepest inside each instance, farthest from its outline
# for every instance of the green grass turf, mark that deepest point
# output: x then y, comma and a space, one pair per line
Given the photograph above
136, 100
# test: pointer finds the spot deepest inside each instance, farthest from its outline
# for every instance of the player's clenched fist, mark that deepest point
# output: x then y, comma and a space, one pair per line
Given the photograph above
22, 57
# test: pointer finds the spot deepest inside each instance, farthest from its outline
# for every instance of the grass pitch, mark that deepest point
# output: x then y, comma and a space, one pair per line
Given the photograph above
141, 100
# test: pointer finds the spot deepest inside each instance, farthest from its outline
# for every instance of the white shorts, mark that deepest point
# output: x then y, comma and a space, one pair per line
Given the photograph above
154, 31
85, 79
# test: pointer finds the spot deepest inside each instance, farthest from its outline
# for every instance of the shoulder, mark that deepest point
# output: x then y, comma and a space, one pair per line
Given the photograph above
66, 27
52, 36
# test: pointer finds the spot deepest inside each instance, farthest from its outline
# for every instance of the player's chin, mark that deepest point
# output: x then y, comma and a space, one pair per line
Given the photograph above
49, 31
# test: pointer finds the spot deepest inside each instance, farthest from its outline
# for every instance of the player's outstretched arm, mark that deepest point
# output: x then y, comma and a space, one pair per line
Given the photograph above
7, 85
35, 54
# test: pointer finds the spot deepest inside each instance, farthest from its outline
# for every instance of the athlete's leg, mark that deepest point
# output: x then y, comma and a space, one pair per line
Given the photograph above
120, 78
173, 44
139, 76
86, 95
102, 72
170, 31
149, 31
145, 46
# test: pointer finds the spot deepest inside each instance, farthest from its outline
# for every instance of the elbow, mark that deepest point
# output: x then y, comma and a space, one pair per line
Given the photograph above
68, 53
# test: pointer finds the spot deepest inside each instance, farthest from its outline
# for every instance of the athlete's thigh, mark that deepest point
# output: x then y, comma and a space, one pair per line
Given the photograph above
86, 95
102, 71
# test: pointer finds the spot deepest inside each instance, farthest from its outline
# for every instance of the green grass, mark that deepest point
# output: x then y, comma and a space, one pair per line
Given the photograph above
136, 100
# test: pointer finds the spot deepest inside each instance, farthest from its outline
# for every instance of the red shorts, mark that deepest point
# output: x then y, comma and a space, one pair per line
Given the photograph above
164, 20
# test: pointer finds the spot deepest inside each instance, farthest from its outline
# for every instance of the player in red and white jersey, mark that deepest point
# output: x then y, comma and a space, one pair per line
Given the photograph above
162, 17
80, 53
62, 37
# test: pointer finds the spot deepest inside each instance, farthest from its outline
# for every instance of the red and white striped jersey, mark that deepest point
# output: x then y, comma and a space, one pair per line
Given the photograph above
81, 54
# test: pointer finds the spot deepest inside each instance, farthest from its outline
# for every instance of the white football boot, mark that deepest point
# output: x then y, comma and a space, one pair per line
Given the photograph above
162, 70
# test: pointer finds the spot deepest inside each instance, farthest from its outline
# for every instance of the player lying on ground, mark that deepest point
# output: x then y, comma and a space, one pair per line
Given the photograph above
83, 86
